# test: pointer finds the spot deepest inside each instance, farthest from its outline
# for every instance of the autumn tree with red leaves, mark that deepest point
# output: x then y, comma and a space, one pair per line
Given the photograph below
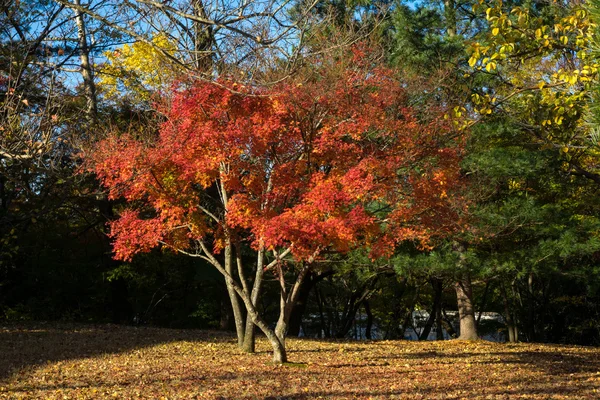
332, 162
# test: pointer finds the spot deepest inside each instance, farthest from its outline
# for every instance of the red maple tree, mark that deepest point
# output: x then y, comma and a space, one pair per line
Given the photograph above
333, 162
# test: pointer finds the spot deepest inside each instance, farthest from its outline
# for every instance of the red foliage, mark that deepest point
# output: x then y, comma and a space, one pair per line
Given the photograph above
336, 162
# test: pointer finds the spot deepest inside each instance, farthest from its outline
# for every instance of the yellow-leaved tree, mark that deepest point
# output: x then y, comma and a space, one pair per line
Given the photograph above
139, 69
538, 60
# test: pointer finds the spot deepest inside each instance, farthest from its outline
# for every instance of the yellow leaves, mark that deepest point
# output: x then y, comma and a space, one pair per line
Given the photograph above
140, 67
196, 364
495, 31
491, 66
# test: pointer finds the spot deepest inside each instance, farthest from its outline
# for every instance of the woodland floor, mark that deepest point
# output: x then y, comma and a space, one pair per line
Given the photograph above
47, 361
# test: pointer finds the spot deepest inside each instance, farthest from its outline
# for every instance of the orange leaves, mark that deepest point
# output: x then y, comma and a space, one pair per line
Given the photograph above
336, 162
133, 235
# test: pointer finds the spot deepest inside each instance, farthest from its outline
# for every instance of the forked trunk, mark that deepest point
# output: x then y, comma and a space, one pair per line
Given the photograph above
287, 302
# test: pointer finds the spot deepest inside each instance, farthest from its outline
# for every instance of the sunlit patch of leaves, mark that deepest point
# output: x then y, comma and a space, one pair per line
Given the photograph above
92, 362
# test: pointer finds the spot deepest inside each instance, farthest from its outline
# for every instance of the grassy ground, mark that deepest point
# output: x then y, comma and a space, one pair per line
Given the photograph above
95, 362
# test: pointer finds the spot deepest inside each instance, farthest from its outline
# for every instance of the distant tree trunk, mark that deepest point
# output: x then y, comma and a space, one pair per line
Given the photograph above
86, 67
483, 302
510, 324
297, 313
287, 302
352, 306
447, 323
203, 41
369, 327
437, 300
392, 331
408, 318
439, 332
466, 312
122, 311
464, 297
324, 330
531, 309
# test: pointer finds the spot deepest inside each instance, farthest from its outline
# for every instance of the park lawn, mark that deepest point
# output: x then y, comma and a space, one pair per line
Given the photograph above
49, 361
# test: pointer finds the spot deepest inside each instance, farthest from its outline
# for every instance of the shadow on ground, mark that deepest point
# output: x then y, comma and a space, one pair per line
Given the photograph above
29, 345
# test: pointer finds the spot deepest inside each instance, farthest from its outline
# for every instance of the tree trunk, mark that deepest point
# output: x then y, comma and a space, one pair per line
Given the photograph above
352, 307
408, 318
439, 329
250, 333
447, 323
324, 330
279, 352
483, 302
287, 302
369, 320
392, 331
510, 325
437, 300
298, 310
238, 316
466, 313
86, 67
531, 309
203, 41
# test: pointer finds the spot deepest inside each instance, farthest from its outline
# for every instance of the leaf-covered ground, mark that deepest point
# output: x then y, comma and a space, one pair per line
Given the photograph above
95, 362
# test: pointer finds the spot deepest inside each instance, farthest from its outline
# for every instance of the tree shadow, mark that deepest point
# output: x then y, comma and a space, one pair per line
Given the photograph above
33, 344
561, 360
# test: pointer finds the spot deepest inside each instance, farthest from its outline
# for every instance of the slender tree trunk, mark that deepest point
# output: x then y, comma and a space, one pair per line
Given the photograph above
408, 318
86, 67
483, 302
352, 307
391, 331
531, 309
510, 325
238, 316
437, 300
250, 333
287, 302
324, 330
369, 320
439, 329
447, 323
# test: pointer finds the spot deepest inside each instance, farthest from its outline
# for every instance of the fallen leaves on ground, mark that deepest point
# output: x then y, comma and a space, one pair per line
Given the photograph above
49, 361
